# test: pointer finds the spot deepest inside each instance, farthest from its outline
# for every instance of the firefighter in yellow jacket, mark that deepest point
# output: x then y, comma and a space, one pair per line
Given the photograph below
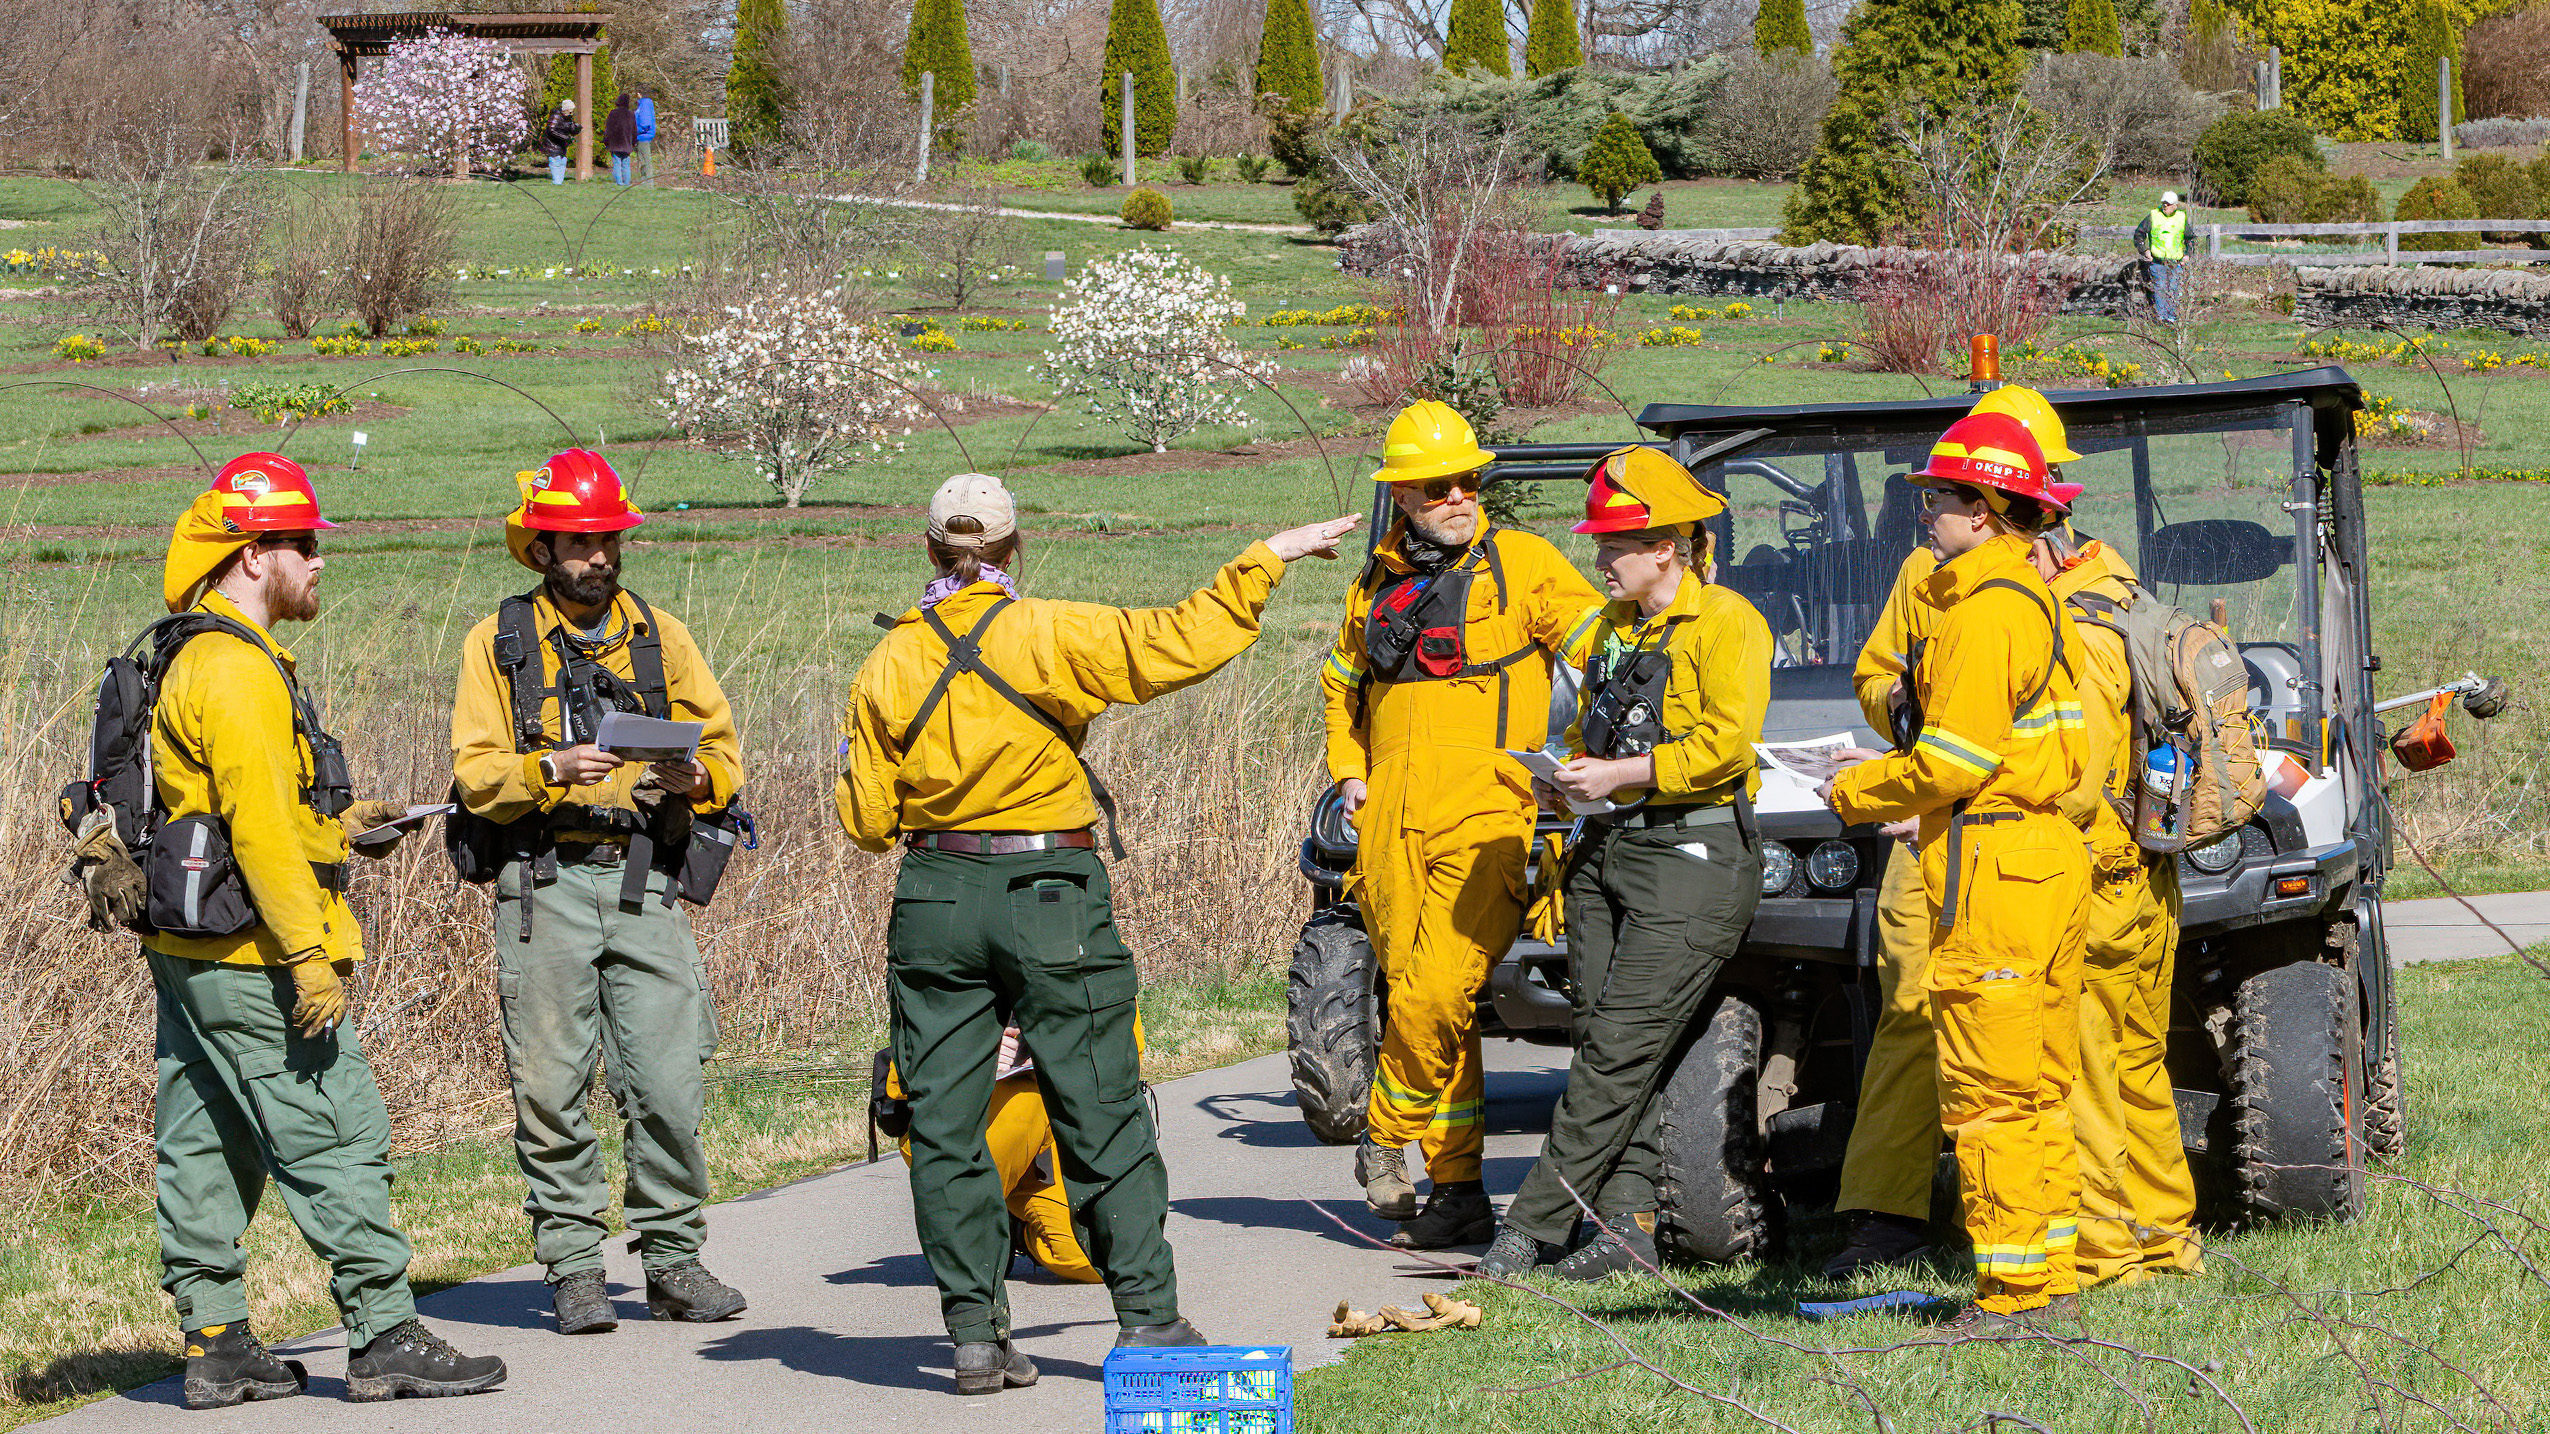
1660, 892
1443, 660
962, 742
594, 957
1894, 1144
1999, 747
2138, 1198
260, 1074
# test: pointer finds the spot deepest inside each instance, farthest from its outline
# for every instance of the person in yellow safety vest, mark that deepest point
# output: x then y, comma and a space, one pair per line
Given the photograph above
1999, 747
961, 743
2162, 241
1020, 1136
2138, 1198
1894, 1143
1660, 891
1443, 662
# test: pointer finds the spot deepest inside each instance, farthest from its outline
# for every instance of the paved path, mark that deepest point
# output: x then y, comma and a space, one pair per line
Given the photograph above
1076, 218
844, 1331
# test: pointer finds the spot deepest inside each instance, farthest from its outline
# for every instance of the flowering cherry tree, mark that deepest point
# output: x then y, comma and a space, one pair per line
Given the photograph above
795, 386
1144, 339
444, 96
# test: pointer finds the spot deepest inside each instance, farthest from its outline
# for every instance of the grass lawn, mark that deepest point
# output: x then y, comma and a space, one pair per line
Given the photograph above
2427, 1314
88, 484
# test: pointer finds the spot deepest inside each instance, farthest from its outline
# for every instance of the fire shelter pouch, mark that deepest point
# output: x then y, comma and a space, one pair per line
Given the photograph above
195, 889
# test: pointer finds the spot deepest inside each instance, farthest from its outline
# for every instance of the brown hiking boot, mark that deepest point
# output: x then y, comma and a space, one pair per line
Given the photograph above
1383, 1172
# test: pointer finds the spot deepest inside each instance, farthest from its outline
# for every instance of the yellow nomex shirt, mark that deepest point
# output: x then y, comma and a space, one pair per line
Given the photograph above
1717, 690
222, 742
1992, 648
503, 784
1904, 623
980, 764
2106, 682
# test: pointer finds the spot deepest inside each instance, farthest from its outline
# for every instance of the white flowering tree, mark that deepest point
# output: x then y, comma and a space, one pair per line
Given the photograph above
795, 386
1144, 340
444, 96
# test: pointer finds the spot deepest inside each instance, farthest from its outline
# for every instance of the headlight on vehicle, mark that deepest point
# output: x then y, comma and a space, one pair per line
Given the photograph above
1833, 865
2217, 856
1779, 867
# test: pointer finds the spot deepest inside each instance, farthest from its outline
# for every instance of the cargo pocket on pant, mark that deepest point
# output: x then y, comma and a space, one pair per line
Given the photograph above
292, 1109
1114, 1060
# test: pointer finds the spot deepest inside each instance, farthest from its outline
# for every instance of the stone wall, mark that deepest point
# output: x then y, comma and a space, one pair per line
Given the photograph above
2408, 297
1701, 263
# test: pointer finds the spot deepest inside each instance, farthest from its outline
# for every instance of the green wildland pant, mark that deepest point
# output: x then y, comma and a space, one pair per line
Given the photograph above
243, 1096
595, 979
1029, 938
1651, 916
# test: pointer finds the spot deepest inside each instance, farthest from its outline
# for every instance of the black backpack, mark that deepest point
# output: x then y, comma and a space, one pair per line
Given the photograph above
195, 886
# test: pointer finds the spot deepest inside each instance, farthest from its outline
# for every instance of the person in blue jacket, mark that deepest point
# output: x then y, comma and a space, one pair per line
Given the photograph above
646, 139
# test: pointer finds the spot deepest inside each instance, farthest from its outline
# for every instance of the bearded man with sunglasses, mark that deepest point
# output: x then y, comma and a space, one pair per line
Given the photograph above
1443, 661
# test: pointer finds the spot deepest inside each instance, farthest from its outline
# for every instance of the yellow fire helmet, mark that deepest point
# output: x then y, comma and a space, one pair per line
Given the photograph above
1637, 488
2029, 407
1429, 440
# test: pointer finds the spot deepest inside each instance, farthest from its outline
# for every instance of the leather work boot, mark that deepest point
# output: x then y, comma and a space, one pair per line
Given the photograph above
1629, 1247
225, 1364
583, 1305
687, 1291
1455, 1214
414, 1361
1976, 1323
990, 1366
1383, 1172
1176, 1334
1878, 1241
1514, 1254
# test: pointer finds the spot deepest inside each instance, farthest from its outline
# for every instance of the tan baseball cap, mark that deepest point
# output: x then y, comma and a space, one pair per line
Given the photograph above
979, 496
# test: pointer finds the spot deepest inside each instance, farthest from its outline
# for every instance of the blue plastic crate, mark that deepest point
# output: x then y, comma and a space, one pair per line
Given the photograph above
1207, 1389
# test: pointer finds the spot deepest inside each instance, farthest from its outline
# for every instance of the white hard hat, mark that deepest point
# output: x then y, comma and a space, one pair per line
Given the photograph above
2169, 196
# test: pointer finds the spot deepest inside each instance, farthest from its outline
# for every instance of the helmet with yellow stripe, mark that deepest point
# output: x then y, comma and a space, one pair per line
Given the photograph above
1637, 488
1994, 454
574, 492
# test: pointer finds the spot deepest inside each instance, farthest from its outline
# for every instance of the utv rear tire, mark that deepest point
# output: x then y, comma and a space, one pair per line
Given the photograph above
2385, 1102
1714, 1203
2296, 1068
1332, 1024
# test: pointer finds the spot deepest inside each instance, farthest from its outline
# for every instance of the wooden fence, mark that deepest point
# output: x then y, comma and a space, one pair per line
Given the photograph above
2213, 235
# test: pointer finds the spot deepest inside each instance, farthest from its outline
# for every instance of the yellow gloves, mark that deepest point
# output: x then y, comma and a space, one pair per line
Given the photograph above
320, 990
363, 816
117, 890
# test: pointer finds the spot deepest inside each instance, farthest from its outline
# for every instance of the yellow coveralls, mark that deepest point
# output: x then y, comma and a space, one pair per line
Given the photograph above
1021, 1140
2138, 1199
1446, 824
1999, 748
1894, 1141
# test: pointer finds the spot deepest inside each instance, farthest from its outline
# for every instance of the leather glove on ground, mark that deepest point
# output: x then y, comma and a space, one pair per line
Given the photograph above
118, 892
365, 815
319, 992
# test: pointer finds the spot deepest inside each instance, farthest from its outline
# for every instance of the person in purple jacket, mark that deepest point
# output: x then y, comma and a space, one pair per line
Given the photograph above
619, 135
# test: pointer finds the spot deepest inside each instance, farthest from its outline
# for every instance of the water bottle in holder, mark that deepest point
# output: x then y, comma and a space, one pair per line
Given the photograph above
2156, 825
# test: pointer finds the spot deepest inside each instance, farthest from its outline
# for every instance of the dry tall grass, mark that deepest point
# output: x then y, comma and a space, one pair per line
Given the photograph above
1213, 784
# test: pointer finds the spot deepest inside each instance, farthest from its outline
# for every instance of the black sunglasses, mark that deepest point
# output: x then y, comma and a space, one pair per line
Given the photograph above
306, 544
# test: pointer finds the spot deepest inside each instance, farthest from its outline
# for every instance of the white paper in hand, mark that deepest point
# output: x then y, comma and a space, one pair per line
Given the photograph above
635, 738
395, 825
1545, 767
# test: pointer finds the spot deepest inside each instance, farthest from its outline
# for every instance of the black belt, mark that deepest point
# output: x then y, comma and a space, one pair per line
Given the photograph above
1958, 821
1001, 843
599, 853
1686, 814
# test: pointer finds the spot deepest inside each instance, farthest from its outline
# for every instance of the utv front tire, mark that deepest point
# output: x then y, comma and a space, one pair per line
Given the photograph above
1332, 1024
1714, 1203
2296, 1071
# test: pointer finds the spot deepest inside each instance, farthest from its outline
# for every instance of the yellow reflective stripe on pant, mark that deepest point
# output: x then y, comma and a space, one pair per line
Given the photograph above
2004, 986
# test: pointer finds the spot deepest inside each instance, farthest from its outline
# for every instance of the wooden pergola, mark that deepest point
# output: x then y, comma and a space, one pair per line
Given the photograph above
577, 33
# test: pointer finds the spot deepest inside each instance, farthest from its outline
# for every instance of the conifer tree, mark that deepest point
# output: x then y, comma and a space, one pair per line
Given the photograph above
1136, 43
1781, 25
756, 99
1898, 59
560, 81
1288, 56
937, 46
1476, 39
1617, 161
2089, 27
1551, 44
2430, 37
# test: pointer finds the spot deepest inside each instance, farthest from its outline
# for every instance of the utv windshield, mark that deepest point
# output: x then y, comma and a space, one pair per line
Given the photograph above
1818, 525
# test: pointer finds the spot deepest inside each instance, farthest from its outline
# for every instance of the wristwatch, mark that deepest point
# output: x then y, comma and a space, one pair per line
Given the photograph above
549, 771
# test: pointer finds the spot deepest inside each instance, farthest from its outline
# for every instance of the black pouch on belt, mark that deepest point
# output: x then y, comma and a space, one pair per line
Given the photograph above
194, 886
714, 838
